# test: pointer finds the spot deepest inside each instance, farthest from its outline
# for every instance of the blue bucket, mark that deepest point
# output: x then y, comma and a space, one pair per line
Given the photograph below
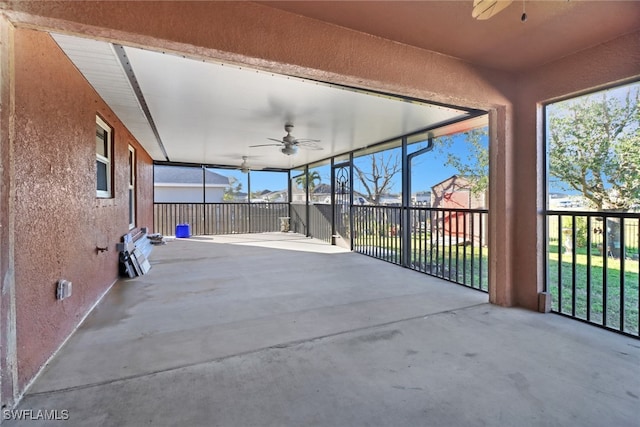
183, 231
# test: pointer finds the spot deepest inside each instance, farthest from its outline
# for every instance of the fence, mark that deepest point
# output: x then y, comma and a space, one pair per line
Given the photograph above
219, 218
320, 221
592, 267
447, 243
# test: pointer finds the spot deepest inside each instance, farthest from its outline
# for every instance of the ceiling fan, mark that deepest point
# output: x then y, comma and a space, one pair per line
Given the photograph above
289, 144
485, 9
244, 166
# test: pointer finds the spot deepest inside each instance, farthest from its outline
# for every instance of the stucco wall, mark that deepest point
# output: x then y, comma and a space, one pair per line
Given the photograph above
59, 222
614, 62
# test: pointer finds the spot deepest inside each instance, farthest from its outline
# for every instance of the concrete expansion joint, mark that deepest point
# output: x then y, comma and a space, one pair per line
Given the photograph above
278, 346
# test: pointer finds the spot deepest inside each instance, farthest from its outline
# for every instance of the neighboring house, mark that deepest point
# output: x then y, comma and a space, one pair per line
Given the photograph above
455, 193
183, 184
421, 198
321, 194
280, 196
390, 200
238, 197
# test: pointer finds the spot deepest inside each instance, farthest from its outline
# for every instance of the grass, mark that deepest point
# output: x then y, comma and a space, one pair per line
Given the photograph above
608, 286
465, 265
612, 300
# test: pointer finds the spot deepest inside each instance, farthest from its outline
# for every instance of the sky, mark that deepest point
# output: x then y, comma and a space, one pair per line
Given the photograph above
427, 170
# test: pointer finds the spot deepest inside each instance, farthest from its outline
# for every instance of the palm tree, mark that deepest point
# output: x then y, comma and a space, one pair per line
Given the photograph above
312, 177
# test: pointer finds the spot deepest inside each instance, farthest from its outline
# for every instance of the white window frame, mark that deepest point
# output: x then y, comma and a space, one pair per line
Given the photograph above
105, 194
132, 187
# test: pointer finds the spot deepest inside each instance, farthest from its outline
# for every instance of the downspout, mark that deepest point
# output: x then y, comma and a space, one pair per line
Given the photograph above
406, 196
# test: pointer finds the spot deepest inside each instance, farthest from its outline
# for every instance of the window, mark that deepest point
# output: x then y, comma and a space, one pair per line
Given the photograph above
132, 187
103, 159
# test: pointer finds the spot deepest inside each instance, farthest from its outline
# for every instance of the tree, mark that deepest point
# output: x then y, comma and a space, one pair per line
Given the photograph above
475, 166
233, 190
313, 178
379, 178
594, 148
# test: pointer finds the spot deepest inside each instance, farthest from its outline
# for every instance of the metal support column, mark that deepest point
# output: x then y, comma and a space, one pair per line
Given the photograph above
351, 222
289, 196
405, 220
307, 214
333, 202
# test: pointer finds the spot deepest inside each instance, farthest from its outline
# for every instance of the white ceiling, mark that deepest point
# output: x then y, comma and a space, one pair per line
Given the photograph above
212, 113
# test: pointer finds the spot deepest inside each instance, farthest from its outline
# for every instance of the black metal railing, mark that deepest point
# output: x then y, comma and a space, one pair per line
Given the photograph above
219, 218
377, 232
447, 243
592, 267
451, 244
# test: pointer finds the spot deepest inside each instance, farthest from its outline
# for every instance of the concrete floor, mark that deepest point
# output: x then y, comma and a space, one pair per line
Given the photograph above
280, 330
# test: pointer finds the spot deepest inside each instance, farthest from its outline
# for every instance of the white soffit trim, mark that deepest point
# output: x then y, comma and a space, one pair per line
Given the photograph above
97, 61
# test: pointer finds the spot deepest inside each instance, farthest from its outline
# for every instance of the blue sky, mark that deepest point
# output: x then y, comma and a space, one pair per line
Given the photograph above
427, 170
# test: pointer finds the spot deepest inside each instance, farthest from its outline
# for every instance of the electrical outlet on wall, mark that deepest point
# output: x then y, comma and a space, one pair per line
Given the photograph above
64, 289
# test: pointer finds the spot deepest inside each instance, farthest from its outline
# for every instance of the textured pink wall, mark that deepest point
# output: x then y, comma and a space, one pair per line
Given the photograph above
310, 49
59, 221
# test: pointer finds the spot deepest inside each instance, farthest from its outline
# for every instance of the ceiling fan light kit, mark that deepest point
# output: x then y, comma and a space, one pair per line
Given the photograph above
289, 144
289, 150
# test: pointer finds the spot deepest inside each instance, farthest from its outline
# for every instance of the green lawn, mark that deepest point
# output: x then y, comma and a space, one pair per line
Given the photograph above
465, 265
610, 281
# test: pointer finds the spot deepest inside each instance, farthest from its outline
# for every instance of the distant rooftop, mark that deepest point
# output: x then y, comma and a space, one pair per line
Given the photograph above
186, 175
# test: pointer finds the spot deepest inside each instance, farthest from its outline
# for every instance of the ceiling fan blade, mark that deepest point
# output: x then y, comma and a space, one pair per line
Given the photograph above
276, 140
309, 145
485, 9
266, 145
299, 140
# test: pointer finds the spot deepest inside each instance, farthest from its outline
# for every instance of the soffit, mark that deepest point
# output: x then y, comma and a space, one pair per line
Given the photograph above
213, 113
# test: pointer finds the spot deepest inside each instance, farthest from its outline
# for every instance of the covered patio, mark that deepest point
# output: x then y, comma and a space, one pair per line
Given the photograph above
279, 328
345, 340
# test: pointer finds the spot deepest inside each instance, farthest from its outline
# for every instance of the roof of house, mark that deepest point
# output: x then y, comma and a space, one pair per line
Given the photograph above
451, 178
186, 175
322, 189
